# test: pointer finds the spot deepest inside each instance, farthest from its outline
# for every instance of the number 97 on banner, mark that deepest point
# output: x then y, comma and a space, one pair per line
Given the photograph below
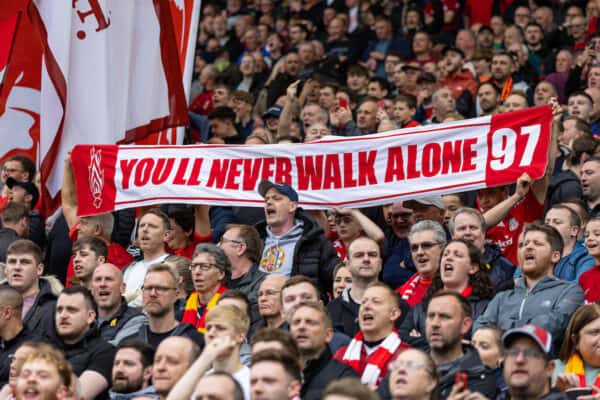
518, 142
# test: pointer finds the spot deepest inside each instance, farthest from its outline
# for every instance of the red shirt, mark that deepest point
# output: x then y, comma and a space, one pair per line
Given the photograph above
188, 251
590, 283
414, 290
506, 233
203, 103
410, 124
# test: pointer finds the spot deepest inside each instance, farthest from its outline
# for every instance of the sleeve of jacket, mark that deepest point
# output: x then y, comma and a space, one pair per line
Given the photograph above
129, 329
327, 264
584, 264
555, 321
491, 313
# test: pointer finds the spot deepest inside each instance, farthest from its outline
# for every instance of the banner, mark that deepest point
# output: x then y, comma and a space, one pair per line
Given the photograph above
334, 172
110, 74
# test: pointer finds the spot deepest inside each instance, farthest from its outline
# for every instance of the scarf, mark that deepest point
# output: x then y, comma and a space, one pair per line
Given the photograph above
507, 88
575, 366
190, 313
410, 286
377, 362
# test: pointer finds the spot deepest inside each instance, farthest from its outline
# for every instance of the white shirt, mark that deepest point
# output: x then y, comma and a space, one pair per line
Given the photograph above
133, 276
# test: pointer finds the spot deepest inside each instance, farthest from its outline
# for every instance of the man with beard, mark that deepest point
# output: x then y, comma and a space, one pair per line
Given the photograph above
160, 295
311, 328
132, 370
489, 98
45, 375
458, 79
502, 70
398, 266
590, 185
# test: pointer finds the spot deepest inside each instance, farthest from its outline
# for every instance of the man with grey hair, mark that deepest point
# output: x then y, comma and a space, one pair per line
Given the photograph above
313, 114
210, 270
469, 223
160, 294
443, 103
426, 239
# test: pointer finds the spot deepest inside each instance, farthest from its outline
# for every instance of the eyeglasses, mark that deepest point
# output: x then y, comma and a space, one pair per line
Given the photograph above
408, 364
225, 240
11, 170
203, 266
527, 353
158, 289
414, 247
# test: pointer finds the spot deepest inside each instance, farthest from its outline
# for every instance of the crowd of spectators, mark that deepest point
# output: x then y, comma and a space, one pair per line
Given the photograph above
488, 294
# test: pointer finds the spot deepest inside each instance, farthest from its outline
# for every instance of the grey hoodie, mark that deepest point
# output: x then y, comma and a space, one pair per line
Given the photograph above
278, 253
148, 392
549, 304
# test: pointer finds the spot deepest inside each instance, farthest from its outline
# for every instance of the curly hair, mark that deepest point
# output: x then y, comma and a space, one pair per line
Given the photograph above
479, 281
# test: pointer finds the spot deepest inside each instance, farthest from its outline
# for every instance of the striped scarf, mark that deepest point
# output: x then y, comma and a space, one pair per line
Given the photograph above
377, 361
575, 366
190, 313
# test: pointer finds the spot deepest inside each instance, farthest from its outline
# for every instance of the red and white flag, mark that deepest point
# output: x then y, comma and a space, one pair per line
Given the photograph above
110, 74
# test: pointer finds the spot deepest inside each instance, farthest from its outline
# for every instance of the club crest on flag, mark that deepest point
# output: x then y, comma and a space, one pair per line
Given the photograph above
96, 176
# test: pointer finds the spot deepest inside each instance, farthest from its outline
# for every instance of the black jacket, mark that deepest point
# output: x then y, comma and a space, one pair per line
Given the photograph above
322, 371
182, 329
40, 317
563, 185
249, 284
8, 349
500, 269
112, 326
314, 255
7, 236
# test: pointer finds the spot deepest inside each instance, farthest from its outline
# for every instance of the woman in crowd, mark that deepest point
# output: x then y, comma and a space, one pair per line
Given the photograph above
488, 342
413, 376
579, 363
350, 224
590, 278
342, 279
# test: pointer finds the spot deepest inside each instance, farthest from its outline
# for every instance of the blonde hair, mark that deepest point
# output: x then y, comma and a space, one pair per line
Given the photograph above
232, 315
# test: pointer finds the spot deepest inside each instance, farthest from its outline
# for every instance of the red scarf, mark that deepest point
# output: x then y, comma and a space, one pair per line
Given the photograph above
414, 289
190, 314
377, 361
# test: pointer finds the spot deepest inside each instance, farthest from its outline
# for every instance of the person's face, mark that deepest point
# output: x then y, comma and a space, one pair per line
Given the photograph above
594, 93
316, 132
18, 195
205, 274
412, 19
73, 316
468, 226
485, 39
399, 76
231, 243
297, 34
497, 25
19, 357
425, 252
560, 219
341, 281
309, 330
211, 387
402, 219
464, 41
590, 180
501, 67
128, 373
364, 260
14, 169
527, 374
85, 262
159, 293
512, 36
421, 43
456, 266
536, 257
327, 98
171, 361
543, 16
488, 347
592, 239
514, 103
383, 29
270, 381
391, 61
577, 27
445, 101
522, 16
292, 64
422, 212
357, 82
220, 328
347, 227
335, 28
594, 77
444, 324
588, 343
533, 35
488, 98
269, 297
291, 296
22, 272
221, 97
490, 197
39, 380
402, 113
375, 90
366, 117
247, 65
409, 376
306, 53
454, 62
452, 203
542, 94
279, 209
152, 233
377, 312
107, 286
579, 106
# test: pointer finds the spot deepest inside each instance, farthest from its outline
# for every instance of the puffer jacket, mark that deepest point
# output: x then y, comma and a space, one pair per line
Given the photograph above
499, 268
314, 255
549, 304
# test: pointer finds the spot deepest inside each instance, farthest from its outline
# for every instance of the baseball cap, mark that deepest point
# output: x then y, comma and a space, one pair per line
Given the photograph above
542, 337
29, 187
285, 190
274, 111
435, 201
454, 49
411, 65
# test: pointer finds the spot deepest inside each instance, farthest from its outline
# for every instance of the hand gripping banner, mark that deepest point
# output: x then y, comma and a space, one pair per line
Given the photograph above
333, 172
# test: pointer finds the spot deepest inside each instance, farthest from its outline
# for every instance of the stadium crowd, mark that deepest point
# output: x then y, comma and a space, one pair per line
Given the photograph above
488, 294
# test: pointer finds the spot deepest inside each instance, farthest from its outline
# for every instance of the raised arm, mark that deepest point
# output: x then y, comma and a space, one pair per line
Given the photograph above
68, 194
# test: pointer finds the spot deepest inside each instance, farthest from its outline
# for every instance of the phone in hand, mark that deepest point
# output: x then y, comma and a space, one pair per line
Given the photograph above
461, 377
343, 103
381, 104
574, 393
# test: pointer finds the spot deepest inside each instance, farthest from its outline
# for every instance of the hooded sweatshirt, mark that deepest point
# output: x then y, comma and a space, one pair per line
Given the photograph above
278, 253
148, 392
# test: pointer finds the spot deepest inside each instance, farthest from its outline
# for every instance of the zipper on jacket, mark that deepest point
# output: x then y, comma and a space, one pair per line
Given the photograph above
523, 303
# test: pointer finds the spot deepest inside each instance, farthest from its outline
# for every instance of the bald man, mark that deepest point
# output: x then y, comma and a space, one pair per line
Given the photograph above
172, 359
12, 331
115, 318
